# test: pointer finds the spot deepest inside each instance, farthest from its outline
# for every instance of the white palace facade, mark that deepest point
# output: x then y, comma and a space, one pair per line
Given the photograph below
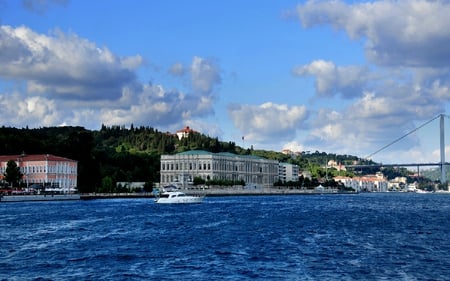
183, 167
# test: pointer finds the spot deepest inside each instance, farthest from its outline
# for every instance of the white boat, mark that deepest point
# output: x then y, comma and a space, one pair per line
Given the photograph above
177, 197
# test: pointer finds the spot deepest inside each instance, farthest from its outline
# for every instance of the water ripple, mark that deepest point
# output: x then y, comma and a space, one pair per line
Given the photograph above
338, 237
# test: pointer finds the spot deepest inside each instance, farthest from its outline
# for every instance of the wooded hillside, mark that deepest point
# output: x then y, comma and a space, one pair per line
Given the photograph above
118, 154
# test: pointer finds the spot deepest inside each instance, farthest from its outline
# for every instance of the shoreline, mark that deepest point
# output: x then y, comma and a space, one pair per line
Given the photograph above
40, 197
216, 192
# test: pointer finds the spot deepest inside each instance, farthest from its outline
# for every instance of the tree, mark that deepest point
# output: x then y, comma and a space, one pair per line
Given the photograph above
12, 173
107, 184
198, 180
148, 186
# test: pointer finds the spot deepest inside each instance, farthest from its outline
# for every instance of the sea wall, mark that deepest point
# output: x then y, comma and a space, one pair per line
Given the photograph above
48, 197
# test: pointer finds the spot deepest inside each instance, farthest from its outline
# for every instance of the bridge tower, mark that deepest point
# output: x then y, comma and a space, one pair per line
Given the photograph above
443, 175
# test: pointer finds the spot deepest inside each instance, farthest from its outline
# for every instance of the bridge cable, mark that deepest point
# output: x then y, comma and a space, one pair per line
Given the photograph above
402, 137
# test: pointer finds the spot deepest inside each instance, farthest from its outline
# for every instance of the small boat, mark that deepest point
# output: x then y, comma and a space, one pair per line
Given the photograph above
177, 197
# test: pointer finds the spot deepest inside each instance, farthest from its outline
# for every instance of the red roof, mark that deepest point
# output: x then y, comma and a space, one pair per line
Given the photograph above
34, 157
185, 130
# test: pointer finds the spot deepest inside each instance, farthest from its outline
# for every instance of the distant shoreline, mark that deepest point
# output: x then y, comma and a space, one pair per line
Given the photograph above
217, 192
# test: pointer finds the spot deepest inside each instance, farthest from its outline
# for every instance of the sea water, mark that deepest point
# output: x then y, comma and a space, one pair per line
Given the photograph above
316, 237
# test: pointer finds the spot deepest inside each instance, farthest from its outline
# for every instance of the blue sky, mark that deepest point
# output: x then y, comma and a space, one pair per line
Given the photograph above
343, 77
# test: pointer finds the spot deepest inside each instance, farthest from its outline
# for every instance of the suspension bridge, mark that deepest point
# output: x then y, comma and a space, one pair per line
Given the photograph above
442, 164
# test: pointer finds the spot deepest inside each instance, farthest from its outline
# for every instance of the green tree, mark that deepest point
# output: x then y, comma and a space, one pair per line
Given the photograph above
198, 180
148, 186
107, 184
12, 173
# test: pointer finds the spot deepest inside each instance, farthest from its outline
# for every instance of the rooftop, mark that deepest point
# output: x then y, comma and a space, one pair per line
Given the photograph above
33, 157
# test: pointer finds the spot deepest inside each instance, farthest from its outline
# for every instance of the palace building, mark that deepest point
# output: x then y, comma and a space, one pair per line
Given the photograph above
44, 169
183, 167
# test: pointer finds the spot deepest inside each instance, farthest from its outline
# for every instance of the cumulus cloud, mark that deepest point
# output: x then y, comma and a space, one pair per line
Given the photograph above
401, 33
63, 65
32, 111
205, 74
155, 105
384, 105
348, 81
268, 121
68, 80
405, 83
368, 125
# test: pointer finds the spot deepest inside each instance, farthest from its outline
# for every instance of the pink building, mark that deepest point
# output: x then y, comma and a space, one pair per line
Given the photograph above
44, 169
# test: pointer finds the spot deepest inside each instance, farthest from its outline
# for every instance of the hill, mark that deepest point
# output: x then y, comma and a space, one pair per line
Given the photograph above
118, 154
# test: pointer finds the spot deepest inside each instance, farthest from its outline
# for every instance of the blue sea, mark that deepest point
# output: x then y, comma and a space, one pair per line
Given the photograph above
317, 237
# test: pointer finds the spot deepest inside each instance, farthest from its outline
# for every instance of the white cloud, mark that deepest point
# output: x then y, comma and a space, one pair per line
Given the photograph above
155, 105
367, 125
70, 80
63, 65
268, 121
402, 33
407, 85
31, 111
331, 79
205, 74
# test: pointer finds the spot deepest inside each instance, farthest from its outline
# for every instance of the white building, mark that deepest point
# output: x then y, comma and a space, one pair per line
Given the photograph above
288, 172
369, 183
184, 133
397, 184
183, 167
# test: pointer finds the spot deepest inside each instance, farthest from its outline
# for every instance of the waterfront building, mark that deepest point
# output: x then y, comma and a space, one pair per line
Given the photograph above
349, 182
183, 167
288, 172
397, 184
369, 183
45, 170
